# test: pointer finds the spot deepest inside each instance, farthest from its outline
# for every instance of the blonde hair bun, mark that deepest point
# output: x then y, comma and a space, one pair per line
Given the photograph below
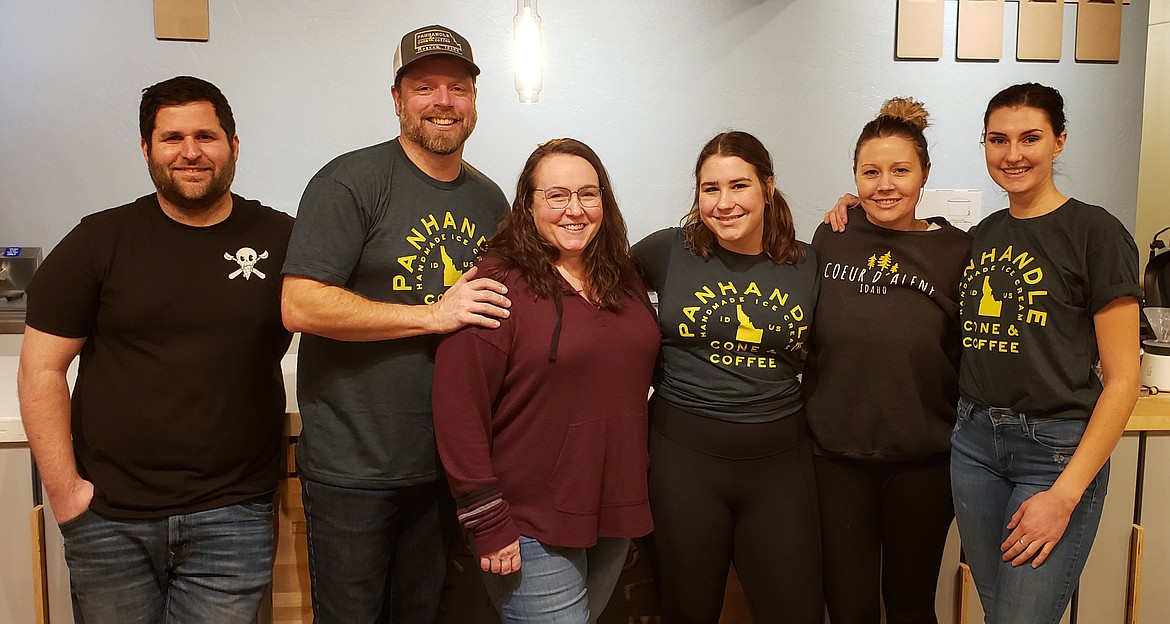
908, 109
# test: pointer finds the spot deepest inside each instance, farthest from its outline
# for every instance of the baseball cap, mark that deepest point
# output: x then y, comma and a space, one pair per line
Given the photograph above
431, 41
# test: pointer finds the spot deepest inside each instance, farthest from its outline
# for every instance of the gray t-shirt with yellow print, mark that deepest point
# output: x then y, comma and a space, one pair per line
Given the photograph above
1029, 295
732, 328
373, 223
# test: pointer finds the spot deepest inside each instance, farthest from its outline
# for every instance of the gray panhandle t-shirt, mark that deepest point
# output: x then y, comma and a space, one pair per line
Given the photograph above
732, 328
1028, 299
373, 223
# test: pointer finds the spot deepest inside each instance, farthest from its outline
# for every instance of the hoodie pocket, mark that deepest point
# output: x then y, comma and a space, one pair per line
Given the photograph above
602, 463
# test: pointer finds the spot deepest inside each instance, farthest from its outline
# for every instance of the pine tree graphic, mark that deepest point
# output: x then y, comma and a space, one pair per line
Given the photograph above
884, 261
872, 261
894, 269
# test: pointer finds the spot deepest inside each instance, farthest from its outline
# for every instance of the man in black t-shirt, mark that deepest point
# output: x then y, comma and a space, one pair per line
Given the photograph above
160, 469
380, 262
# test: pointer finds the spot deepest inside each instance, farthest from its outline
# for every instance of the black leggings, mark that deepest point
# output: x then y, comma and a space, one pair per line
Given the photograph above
884, 527
727, 492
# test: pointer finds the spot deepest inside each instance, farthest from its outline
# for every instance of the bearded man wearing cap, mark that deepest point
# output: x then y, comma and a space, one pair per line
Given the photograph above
380, 262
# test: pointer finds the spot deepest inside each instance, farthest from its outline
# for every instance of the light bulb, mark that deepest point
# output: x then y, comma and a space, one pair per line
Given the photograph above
526, 39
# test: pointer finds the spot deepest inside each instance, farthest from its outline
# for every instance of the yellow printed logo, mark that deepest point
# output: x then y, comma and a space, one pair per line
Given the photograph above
746, 332
1005, 289
446, 247
988, 306
884, 262
877, 276
745, 327
450, 273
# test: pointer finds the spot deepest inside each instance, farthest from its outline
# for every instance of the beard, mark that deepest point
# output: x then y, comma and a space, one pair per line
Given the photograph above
193, 198
441, 143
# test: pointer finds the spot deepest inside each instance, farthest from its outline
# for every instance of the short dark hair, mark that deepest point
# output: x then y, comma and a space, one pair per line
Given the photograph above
183, 90
610, 273
779, 231
1033, 95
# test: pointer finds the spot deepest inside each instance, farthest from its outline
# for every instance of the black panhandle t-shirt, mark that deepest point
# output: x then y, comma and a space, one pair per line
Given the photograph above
1028, 299
179, 400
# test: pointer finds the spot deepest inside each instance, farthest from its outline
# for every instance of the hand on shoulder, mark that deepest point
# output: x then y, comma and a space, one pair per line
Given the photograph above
471, 301
838, 215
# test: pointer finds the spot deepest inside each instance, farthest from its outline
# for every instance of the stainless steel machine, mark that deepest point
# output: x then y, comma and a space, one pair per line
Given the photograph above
1156, 359
17, 265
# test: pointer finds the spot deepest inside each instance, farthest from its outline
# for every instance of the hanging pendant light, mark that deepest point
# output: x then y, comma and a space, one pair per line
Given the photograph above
526, 39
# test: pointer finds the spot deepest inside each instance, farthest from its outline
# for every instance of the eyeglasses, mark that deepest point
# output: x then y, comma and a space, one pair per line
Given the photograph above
558, 196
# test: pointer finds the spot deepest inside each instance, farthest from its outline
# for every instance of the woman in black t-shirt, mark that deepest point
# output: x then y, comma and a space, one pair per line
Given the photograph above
889, 296
1051, 290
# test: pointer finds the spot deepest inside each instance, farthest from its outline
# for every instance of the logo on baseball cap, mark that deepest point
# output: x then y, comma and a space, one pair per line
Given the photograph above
431, 41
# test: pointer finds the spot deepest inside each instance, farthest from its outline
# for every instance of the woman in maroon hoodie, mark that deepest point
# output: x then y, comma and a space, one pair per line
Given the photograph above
541, 423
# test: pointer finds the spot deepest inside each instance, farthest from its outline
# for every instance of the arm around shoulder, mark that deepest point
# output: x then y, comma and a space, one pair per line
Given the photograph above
313, 307
321, 309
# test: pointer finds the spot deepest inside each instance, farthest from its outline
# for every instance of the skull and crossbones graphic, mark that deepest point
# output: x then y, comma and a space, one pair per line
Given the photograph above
246, 257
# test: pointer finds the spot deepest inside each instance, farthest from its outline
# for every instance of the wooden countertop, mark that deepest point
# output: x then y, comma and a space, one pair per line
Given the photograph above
1150, 414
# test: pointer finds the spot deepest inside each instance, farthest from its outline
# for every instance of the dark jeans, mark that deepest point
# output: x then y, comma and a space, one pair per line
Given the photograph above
884, 526
377, 556
208, 567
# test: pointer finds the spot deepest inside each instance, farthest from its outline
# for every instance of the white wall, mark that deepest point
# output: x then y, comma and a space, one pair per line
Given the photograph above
1153, 212
645, 83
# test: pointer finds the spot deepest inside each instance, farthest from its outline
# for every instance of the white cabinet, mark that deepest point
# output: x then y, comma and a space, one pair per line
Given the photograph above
16, 579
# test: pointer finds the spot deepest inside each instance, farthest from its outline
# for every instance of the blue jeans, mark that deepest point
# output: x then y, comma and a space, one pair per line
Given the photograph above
558, 585
205, 567
999, 459
377, 556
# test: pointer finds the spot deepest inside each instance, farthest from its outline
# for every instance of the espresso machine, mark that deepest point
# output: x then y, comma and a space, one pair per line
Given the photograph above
1156, 359
17, 265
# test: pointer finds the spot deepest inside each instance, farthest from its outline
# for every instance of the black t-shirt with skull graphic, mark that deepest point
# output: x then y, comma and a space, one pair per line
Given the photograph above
1029, 295
732, 328
179, 400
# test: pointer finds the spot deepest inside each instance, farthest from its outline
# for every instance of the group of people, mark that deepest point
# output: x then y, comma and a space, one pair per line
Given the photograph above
938, 366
